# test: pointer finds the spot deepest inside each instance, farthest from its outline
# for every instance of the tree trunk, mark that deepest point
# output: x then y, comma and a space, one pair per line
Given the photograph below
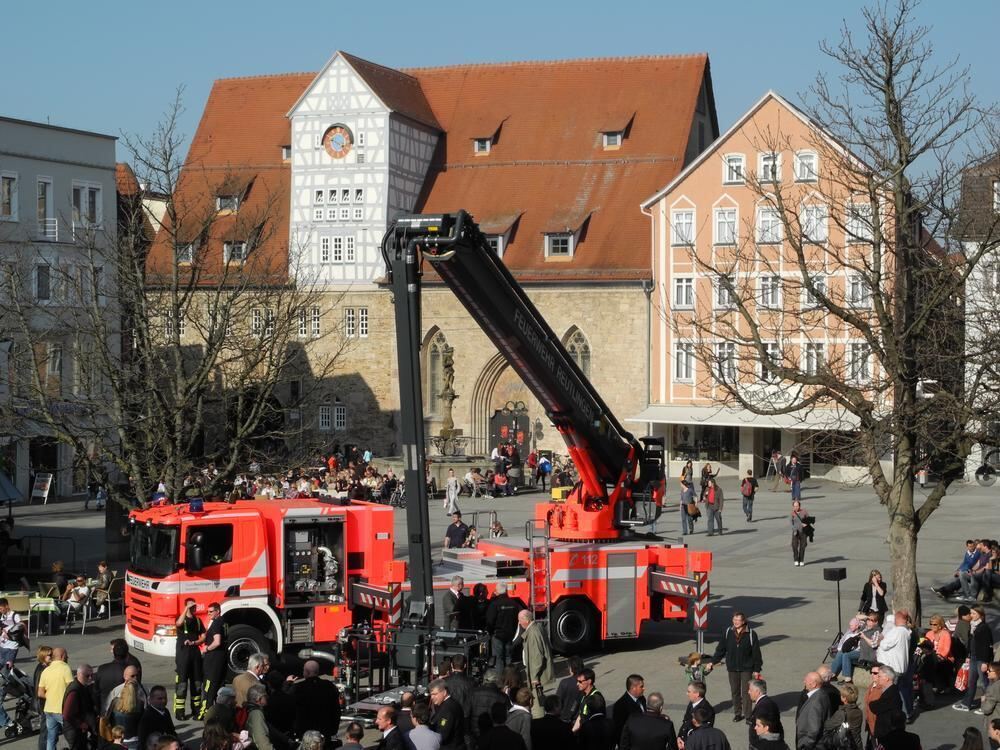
903, 550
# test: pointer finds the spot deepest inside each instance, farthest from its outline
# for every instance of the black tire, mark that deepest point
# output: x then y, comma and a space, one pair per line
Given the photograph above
573, 626
245, 640
986, 476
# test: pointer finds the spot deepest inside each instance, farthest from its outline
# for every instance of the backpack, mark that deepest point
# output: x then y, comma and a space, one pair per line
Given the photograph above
241, 717
746, 487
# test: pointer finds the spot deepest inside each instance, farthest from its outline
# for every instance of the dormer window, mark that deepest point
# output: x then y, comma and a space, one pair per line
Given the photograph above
481, 146
613, 139
227, 203
286, 153
559, 245
495, 241
185, 254
234, 252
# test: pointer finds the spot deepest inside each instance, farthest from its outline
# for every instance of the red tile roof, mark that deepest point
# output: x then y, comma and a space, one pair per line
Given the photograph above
549, 165
125, 181
546, 169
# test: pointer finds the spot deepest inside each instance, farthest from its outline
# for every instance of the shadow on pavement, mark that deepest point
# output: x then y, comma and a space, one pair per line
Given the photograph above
755, 605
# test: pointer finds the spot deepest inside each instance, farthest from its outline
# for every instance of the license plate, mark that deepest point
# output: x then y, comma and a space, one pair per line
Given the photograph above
139, 646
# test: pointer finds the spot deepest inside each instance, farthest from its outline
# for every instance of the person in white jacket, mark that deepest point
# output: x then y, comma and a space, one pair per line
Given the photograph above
894, 645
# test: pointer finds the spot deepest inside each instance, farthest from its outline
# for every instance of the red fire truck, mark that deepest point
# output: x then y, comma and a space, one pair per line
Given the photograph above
297, 572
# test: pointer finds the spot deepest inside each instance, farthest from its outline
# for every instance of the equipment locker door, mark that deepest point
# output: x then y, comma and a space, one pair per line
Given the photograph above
621, 577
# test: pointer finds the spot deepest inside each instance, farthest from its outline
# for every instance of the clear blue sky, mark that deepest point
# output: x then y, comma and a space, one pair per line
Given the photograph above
114, 65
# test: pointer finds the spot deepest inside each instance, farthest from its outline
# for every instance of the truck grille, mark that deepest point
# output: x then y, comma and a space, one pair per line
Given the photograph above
140, 605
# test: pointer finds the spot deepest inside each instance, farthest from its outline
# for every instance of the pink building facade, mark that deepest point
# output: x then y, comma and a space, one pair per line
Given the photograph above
771, 212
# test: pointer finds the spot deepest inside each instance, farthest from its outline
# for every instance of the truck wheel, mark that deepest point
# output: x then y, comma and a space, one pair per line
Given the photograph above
574, 626
244, 641
986, 476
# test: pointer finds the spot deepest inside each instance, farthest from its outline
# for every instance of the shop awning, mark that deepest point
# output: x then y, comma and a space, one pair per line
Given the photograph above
815, 419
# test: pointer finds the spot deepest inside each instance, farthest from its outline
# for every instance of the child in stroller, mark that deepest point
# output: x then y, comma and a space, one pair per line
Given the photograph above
17, 685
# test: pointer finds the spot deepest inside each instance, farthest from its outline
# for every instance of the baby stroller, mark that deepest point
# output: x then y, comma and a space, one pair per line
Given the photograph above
17, 685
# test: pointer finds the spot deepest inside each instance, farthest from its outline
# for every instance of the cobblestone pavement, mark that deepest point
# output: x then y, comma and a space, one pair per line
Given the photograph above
793, 609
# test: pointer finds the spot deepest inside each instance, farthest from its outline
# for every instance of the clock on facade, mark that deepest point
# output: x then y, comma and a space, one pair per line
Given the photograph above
337, 141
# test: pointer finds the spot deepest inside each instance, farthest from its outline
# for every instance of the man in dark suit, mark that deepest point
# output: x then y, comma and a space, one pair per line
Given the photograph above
460, 687
111, 674
385, 721
650, 730
696, 699
155, 719
317, 702
448, 719
813, 713
483, 698
452, 607
550, 730
764, 707
404, 719
631, 703
888, 703
569, 694
596, 731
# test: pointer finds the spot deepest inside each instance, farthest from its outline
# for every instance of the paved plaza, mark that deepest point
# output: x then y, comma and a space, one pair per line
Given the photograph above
793, 609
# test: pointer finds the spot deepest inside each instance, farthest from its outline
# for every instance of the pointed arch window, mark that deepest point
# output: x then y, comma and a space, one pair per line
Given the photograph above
435, 371
579, 349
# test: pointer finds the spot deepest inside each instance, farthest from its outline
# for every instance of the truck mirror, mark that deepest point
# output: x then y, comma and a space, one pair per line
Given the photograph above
195, 557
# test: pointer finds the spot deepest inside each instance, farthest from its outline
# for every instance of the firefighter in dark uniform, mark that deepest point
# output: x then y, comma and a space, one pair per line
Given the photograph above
190, 635
215, 656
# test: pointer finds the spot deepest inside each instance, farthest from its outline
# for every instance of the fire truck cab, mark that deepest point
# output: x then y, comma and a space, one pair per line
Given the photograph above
283, 571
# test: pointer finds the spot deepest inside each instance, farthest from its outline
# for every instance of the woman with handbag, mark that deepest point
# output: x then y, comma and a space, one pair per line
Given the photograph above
714, 500
689, 509
980, 655
800, 530
873, 596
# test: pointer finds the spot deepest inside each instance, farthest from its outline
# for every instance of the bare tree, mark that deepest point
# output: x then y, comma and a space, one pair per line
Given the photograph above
871, 281
194, 333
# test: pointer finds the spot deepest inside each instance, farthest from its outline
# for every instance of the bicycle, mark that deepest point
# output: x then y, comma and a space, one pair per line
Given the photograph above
398, 497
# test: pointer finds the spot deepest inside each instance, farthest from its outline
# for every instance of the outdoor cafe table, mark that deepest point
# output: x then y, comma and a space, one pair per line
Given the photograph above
39, 604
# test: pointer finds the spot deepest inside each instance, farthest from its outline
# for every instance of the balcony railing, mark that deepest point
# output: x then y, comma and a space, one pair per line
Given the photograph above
48, 229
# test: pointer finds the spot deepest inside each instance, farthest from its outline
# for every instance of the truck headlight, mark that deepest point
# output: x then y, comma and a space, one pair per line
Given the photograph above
167, 630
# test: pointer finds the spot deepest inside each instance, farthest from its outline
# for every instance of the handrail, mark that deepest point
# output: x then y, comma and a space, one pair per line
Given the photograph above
28, 549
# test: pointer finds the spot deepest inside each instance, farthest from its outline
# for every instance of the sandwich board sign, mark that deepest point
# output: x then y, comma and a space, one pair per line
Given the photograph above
43, 483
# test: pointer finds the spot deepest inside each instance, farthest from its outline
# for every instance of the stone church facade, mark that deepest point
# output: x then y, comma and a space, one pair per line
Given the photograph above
551, 158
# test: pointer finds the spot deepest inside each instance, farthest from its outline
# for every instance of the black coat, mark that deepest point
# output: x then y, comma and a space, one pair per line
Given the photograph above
501, 616
449, 722
483, 697
392, 741
597, 733
900, 739
112, 674
500, 737
648, 731
687, 726
551, 732
766, 708
741, 655
460, 687
624, 708
317, 706
866, 597
882, 709
569, 698
153, 722
981, 645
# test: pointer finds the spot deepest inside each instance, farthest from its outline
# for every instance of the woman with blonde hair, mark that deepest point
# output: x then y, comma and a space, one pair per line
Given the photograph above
942, 670
873, 597
44, 657
125, 711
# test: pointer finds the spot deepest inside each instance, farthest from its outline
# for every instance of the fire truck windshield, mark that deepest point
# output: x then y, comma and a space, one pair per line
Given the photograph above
153, 550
